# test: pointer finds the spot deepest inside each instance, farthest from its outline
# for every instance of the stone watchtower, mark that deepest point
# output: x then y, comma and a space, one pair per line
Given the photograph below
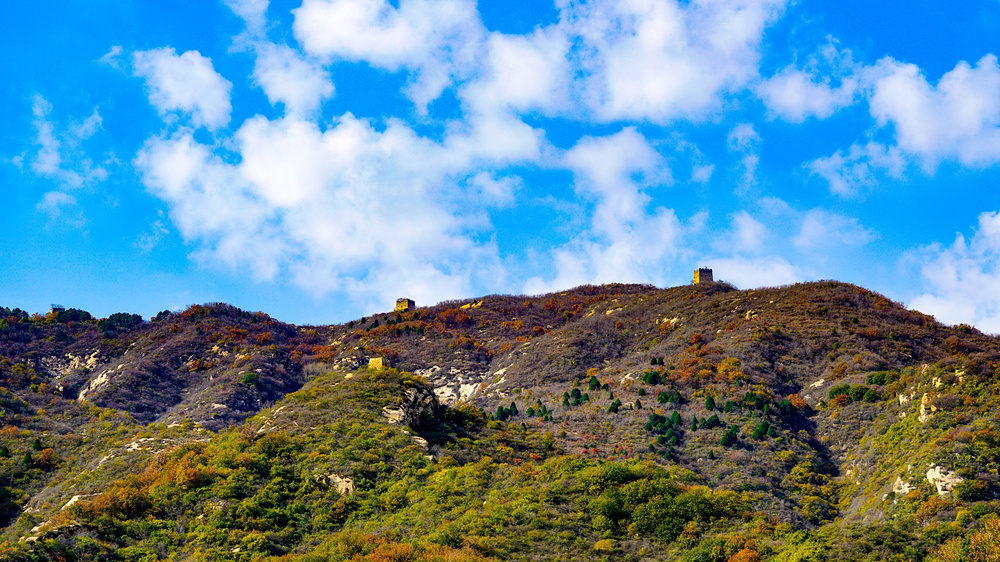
703, 275
403, 305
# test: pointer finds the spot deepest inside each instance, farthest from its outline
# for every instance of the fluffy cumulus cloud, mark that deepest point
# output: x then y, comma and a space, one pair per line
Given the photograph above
822, 229
652, 60
437, 40
289, 78
795, 95
956, 119
661, 60
962, 279
346, 208
860, 169
624, 240
522, 73
829, 81
187, 84
253, 12
747, 273
748, 233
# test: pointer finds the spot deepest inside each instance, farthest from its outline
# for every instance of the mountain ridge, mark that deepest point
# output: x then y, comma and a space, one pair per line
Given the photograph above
828, 404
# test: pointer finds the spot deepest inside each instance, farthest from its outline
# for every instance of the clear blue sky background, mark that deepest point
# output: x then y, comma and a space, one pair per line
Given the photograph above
318, 159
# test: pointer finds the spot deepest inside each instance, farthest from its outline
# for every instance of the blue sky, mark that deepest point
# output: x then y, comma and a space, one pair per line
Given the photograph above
318, 159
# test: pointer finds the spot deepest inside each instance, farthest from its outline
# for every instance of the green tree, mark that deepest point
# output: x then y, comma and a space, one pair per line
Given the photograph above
729, 437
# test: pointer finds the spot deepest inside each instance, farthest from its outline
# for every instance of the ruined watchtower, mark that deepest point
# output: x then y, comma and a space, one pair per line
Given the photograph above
402, 305
703, 275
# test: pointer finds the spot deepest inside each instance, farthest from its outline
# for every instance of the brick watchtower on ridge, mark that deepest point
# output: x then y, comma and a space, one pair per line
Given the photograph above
703, 275
403, 305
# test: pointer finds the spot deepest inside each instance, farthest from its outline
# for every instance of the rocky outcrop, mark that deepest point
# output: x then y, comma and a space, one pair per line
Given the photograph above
416, 401
926, 408
902, 487
453, 385
343, 484
61, 366
943, 480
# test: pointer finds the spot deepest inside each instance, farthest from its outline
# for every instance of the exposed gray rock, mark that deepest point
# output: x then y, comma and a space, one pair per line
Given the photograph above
943, 480
343, 484
415, 402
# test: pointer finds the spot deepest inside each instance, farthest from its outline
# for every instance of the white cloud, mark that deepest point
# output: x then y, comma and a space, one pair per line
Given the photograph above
150, 239
822, 229
437, 40
861, 169
748, 234
186, 83
661, 60
795, 94
59, 156
748, 273
523, 72
958, 119
605, 168
348, 208
497, 191
744, 139
113, 57
53, 202
961, 280
252, 12
288, 78
625, 240
702, 173
651, 60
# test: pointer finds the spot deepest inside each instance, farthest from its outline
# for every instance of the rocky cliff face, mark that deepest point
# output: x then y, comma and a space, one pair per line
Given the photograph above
419, 402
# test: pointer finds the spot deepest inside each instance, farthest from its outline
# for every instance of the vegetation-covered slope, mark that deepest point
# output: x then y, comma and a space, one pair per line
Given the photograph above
813, 422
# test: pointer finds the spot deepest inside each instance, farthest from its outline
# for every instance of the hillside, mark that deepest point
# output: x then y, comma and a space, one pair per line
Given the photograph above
818, 421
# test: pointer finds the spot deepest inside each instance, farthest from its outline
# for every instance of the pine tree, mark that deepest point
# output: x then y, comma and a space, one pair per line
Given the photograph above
710, 403
760, 431
729, 437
